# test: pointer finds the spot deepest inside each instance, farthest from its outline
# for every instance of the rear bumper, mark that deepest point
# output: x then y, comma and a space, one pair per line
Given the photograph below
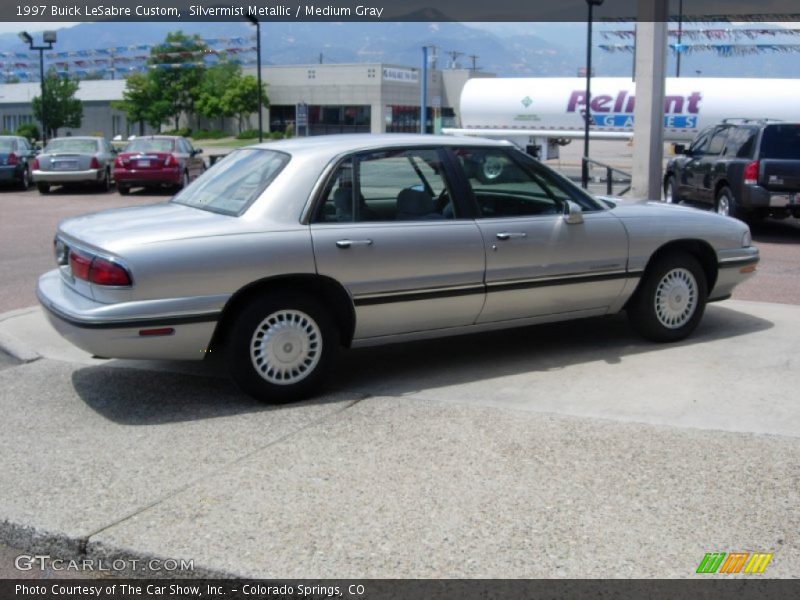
138, 177
758, 197
89, 176
113, 330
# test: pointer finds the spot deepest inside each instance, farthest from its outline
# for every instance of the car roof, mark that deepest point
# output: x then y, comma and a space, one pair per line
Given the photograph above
332, 145
76, 137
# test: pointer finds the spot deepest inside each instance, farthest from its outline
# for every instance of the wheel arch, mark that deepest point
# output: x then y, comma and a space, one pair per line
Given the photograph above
699, 249
329, 290
719, 185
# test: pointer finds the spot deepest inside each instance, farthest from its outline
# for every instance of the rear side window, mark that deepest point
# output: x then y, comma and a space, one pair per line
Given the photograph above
741, 142
781, 141
234, 183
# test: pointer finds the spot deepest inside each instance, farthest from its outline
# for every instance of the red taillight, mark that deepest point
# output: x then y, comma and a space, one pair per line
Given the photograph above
105, 272
80, 264
97, 270
171, 161
35, 164
121, 161
12, 159
95, 164
751, 173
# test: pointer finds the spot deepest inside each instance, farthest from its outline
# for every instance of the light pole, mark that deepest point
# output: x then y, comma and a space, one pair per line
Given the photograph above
49, 38
588, 111
257, 23
423, 100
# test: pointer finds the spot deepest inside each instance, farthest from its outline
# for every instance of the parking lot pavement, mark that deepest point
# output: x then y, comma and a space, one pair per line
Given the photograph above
572, 450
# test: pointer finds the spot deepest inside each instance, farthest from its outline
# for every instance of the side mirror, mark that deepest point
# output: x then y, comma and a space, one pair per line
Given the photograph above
573, 213
197, 151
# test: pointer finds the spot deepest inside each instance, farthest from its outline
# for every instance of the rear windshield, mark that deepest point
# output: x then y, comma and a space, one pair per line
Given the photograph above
72, 145
150, 145
7, 145
781, 141
234, 183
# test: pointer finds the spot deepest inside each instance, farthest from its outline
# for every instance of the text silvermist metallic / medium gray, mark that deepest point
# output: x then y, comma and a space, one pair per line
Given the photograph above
283, 252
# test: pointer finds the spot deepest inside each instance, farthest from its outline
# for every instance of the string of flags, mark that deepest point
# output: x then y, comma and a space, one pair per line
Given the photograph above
710, 34
123, 60
723, 50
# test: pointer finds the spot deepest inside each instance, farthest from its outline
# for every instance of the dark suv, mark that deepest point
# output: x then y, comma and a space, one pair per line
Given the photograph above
745, 168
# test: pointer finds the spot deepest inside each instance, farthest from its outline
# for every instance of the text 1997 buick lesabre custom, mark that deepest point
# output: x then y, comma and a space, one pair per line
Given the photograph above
283, 252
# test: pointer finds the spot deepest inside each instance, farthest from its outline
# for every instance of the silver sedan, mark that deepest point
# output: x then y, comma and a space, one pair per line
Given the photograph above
74, 160
283, 252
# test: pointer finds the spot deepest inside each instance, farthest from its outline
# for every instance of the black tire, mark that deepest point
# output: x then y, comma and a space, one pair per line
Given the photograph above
124, 190
671, 298
305, 340
725, 203
184, 181
105, 183
671, 195
44, 188
25, 180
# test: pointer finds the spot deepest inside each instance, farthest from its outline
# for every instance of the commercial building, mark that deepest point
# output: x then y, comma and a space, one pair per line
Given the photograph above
330, 98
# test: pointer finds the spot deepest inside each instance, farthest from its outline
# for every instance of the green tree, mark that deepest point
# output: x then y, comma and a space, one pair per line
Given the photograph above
140, 103
176, 72
216, 81
62, 108
241, 97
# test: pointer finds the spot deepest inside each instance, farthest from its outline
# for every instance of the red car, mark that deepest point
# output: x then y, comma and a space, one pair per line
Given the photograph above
156, 161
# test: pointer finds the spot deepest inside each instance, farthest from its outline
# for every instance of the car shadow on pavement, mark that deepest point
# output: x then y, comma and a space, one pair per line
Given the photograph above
406, 368
772, 231
140, 396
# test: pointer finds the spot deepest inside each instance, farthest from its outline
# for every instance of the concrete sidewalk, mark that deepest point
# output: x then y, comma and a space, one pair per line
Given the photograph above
570, 450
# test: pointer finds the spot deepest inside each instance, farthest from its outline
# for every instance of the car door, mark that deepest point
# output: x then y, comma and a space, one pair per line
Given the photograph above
193, 160
705, 165
385, 227
689, 175
538, 262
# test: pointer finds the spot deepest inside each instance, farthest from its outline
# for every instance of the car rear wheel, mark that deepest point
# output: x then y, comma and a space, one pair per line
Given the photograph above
25, 180
281, 347
44, 188
671, 298
105, 183
671, 191
726, 203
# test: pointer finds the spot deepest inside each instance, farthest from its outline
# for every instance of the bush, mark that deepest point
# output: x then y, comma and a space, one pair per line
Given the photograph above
183, 132
276, 135
29, 130
248, 134
209, 134
289, 130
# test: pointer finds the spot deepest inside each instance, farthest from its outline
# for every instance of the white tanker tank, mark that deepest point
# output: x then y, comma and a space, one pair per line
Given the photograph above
538, 114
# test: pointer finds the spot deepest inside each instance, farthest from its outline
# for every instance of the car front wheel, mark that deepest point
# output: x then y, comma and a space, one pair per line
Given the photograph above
281, 347
44, 188
671, 191
671, 298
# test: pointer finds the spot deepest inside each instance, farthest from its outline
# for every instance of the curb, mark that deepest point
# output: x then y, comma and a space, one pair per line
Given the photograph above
13, 346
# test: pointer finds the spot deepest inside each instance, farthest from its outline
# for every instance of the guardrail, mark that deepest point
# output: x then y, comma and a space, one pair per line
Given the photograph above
624, 178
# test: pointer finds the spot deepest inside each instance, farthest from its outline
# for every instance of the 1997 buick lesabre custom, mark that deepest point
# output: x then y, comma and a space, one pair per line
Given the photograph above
283, 252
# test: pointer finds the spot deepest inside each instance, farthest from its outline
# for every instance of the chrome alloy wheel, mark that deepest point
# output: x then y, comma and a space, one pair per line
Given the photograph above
286, 347
676, 298
724, 206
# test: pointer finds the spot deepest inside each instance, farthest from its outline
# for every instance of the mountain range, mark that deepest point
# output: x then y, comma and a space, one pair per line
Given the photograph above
507, 49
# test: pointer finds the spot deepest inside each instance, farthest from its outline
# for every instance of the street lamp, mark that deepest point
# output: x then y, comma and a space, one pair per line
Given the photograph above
257, 23
49, 38
588, 110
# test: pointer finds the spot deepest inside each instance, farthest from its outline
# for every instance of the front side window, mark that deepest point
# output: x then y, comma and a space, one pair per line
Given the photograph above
700, 144
717, 141
234, 183
508, 184
389, 185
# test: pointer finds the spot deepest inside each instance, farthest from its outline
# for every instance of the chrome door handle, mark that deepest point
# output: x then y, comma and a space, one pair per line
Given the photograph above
507, 235
349, 243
